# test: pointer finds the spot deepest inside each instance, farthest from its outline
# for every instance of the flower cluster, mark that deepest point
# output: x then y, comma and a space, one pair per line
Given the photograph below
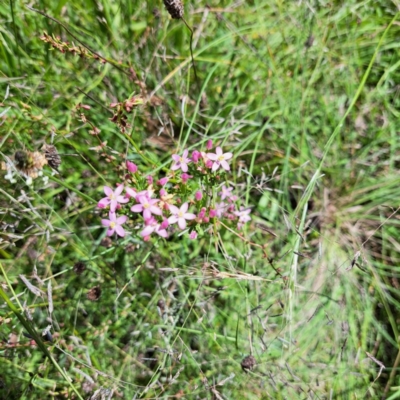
192, 196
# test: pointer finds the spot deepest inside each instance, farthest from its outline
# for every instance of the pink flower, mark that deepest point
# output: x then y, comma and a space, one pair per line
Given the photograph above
209, 144
114, 224
193, 235
153, 226
180, 215
221, 209
147, 206
226, 192
113, 198
149, 179
131, 167
181, 162
243, 214
198, 195
185, 177
219, 159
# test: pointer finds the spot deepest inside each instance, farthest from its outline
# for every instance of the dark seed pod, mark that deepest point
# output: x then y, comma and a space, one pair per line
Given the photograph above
52, 156
248, 363
175, 8
79, 267
94, 293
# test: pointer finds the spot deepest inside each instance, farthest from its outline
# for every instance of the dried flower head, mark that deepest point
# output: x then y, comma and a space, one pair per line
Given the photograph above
94, 293
29, 163
52, 156
248, 363
175, 8
79, 267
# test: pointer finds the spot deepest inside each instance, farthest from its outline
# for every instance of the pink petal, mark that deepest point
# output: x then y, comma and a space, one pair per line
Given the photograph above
147, 231
182, 223
105, 222
108, 191
120, 231
189, 216
172, 219
225, 165
155, 210
162, 232
137, 208
215, 166
121, 220
110, 232
184, 207
146, 213
119, 190
212, 156
228, 156
173, 209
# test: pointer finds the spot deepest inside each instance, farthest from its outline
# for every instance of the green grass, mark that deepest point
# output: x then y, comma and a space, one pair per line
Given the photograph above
314, 132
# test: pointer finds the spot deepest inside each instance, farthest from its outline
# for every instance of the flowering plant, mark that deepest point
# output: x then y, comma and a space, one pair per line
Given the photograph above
192, 196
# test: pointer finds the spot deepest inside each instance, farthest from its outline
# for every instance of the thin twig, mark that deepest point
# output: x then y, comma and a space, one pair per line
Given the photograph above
79, 41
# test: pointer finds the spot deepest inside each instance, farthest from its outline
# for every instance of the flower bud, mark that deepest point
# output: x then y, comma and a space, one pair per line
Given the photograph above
149, 179
212, 213
209, 144
164, 224
198, 195
131, 167
196, 156
202, 213
193, 235
163, 181
185, 177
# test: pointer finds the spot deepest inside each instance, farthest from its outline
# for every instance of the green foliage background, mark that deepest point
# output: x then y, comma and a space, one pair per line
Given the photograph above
176, 318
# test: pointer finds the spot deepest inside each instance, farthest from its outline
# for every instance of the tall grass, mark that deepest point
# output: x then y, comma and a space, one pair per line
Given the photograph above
305, 95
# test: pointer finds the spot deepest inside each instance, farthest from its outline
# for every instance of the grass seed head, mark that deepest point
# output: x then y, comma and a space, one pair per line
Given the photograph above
175, 8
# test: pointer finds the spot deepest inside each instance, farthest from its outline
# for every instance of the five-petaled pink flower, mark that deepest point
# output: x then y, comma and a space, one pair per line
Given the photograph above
181, 161
243, 214
153, 226
180, 215
147, 206
114, 224
226, 192
219, 159
113, 198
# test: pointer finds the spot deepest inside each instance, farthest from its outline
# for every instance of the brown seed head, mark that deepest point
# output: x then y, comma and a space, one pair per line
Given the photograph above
248, 363
94, 293
175, 8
